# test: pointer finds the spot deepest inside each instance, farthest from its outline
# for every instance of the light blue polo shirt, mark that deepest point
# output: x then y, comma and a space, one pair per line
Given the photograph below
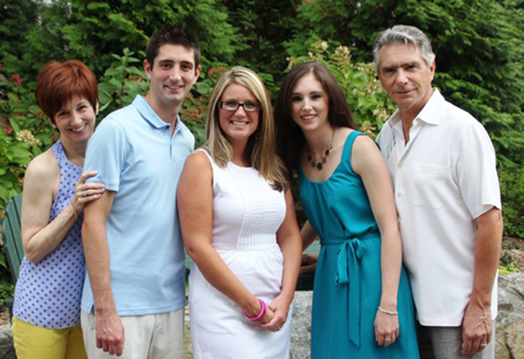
136, 157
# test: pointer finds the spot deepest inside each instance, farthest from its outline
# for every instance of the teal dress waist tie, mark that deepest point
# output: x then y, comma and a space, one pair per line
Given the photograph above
350, 252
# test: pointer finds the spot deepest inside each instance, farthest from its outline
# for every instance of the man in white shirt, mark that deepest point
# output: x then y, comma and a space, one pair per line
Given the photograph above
442, 165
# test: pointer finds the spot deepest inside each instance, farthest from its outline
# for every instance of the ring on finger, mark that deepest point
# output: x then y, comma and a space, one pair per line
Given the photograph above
387, 340
483, 344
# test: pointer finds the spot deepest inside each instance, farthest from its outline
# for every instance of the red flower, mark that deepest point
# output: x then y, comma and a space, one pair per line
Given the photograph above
8, 129
191, 115
16, 79
216, 71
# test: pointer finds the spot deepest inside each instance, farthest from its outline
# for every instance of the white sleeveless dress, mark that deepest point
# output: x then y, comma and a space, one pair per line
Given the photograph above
247, 213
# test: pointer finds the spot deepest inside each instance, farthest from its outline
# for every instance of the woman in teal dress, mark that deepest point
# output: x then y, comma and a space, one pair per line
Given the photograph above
362, 304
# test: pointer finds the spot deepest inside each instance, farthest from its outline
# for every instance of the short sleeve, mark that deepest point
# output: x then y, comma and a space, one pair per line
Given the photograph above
106, 153
477, 172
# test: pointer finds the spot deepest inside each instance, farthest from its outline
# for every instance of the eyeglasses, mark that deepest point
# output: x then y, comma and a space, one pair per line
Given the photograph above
248, 106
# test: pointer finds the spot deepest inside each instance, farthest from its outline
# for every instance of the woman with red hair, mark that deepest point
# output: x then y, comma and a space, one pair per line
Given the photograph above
46, 321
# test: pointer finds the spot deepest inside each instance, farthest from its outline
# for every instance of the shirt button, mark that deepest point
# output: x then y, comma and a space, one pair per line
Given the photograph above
399, 195
399, 166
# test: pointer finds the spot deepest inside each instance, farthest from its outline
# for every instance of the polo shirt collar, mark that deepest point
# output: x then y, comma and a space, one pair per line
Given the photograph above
149, 114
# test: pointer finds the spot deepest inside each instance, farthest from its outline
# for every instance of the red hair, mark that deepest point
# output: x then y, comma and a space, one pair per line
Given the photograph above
60, 82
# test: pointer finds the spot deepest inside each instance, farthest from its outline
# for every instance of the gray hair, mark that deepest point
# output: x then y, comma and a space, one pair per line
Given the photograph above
408, 35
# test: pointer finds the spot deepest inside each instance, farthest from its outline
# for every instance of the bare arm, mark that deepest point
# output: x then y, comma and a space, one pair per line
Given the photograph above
477, 326
39, 236
308, 235
290, 242
309, 261
109, 329
369, 164
195, 207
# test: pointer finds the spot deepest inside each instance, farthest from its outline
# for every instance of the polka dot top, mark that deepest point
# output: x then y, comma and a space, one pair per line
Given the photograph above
48, 294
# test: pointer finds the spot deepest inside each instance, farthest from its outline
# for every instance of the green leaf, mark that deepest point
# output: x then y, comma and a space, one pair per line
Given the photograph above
98, 6
202, 88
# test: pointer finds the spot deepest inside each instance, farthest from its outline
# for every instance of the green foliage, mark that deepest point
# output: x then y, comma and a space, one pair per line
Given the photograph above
93, 30
507, 263
512, 188
16, 18
7, 288
121, 83
265, 26
24, 133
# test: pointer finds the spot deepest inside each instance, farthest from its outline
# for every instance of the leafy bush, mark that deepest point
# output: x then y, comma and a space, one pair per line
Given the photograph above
121, 83
24, 133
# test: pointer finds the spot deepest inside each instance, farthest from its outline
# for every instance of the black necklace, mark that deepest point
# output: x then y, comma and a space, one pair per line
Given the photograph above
320, 164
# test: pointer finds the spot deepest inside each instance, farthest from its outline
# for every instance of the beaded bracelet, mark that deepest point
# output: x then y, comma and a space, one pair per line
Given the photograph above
260, 315
387, 311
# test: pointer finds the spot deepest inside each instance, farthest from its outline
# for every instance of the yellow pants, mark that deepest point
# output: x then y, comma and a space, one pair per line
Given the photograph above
34, 342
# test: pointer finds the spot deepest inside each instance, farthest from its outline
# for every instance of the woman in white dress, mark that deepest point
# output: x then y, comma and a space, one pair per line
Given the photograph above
238, 223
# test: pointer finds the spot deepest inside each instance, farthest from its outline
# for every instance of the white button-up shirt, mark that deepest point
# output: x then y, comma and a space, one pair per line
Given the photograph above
443, 178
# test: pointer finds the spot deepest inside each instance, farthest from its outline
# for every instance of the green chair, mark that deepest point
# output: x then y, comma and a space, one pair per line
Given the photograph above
12, 238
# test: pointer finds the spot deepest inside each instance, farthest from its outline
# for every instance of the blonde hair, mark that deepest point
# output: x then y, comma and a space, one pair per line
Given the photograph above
261, 148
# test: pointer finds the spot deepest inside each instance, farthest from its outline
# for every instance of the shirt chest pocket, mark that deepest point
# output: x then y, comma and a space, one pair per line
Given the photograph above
428, 185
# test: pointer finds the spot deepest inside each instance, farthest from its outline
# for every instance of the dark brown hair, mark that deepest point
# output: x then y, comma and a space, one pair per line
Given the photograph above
290, 138
60, 82
174, 35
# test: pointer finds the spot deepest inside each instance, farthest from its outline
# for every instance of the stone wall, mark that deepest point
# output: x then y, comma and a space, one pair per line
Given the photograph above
510, 321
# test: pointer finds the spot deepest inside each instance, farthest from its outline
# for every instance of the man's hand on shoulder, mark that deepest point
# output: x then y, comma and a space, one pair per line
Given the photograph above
110, 333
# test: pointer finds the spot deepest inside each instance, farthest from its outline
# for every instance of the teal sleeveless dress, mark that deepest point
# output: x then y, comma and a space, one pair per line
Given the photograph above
348, 279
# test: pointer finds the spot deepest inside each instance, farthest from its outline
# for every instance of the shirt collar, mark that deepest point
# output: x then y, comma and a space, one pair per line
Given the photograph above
432, 111
429, 114
149, 114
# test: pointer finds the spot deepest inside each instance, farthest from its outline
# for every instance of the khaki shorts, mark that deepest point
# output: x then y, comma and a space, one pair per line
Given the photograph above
154, 336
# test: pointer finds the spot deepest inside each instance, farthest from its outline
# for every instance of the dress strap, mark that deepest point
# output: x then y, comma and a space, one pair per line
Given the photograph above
61, 158
58, 151
204, 151
215, 169
345, 160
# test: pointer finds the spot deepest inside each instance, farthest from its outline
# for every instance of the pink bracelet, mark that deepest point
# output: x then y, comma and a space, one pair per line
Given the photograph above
260, 315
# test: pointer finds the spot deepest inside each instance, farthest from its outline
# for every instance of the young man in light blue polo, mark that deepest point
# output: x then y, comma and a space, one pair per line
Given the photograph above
134, 294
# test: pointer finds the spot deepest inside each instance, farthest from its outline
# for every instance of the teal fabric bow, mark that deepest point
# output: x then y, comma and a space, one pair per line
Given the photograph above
348, 273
